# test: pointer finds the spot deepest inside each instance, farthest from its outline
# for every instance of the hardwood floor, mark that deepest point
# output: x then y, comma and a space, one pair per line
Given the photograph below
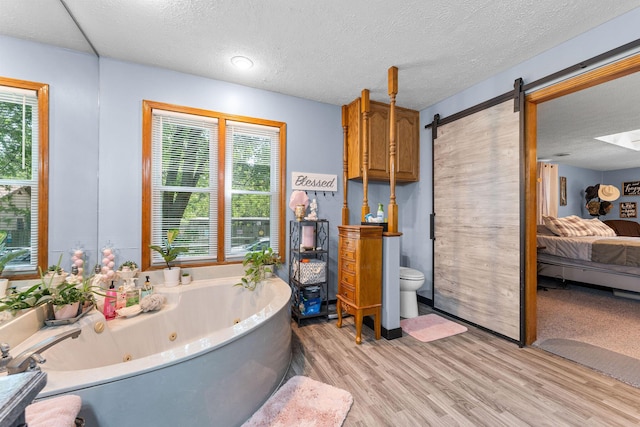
470, 379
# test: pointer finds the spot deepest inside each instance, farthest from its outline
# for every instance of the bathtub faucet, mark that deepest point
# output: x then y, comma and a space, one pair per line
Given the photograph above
29, 359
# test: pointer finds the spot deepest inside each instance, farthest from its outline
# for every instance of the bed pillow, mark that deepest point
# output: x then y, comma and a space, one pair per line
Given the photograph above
569, 226
542, 230
599, 228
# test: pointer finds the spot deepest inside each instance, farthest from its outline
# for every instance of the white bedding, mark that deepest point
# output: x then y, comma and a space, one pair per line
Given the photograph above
573, 247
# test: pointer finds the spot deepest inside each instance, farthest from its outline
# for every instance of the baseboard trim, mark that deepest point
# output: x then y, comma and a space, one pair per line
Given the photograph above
389, 334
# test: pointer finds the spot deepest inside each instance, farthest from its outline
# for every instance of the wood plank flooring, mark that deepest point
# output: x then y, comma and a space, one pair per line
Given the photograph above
470, 379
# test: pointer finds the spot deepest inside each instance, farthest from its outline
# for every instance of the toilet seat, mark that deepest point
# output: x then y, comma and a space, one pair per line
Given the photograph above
410, 274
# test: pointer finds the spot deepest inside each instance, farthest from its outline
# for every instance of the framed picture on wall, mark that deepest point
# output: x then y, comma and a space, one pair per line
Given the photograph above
631, 188
563, 191
628, 210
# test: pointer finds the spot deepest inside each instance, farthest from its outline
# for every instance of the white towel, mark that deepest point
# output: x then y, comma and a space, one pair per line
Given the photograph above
55, 412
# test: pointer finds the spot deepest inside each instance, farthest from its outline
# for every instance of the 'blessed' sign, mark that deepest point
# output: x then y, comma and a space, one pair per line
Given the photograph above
314, 181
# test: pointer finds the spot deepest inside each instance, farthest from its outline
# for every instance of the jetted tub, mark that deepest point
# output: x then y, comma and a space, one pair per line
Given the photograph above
211, 356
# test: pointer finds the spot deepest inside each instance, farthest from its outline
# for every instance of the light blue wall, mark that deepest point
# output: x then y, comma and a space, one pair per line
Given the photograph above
95, 182
73, 138
616, 178
578, 179
96, 133
314, 142
603, 38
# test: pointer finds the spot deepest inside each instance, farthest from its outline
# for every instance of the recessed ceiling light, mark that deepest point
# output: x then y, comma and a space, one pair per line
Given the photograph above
242, 62
562, 154
630, 139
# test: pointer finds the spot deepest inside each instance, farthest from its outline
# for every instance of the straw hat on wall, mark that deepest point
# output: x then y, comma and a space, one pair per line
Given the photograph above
608, 193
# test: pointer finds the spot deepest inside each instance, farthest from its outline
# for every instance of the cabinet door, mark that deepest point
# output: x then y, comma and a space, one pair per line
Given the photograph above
354, 135
407, 145
379, 142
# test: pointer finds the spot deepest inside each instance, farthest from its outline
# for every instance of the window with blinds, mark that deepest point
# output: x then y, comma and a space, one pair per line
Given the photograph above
214, 177
19, 159
252, 173
184, 182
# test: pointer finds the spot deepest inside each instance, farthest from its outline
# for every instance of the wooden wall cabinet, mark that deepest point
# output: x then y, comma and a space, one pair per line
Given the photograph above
407, 142
360, 275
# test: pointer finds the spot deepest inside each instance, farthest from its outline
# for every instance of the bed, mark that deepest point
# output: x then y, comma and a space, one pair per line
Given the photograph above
590, 251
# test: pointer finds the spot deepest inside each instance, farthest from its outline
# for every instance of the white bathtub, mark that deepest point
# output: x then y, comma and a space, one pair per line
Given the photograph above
187, 364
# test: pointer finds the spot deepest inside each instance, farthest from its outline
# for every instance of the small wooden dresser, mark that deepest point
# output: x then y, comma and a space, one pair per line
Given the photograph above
360, 275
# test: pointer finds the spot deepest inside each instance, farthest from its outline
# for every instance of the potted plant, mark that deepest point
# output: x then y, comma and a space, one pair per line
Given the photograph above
55, 274
128, 266
67, 298
270, 261
169, 253
22, 300
258, 265
127, 272
186, 278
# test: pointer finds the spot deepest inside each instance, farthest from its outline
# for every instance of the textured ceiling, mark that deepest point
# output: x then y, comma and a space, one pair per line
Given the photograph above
326, 51
569, 125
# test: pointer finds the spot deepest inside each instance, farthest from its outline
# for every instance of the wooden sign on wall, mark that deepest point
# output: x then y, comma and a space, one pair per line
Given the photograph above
631, 188
628, 210
314, 181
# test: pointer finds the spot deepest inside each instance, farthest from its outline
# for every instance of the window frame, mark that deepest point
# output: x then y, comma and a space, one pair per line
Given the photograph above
42, 90
147, 159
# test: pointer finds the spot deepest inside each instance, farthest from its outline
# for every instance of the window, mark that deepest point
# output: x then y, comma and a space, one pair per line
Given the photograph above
215, 177
24, 111
252, 188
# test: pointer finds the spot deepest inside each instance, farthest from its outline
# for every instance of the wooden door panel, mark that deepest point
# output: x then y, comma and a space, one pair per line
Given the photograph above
477, 222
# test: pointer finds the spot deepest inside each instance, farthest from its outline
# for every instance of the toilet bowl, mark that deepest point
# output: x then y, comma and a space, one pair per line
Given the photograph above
410, 281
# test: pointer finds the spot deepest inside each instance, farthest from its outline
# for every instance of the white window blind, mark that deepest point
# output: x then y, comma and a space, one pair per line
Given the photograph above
184, 183
252, 180
19, 152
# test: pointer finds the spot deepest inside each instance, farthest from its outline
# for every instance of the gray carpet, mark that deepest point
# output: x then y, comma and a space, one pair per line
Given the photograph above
618, 366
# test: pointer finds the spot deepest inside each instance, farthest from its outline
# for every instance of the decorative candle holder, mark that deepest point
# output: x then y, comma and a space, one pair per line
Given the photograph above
300, 212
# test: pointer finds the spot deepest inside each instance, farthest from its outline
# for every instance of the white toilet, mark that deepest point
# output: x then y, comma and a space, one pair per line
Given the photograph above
410, 281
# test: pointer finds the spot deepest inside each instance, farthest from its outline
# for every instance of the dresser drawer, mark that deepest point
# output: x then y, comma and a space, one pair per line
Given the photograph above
347, 292
348, 277
348, 255
348, 265
347, 248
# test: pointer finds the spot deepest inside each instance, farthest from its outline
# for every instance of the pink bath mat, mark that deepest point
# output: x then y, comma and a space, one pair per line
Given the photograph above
303, 402
430, 327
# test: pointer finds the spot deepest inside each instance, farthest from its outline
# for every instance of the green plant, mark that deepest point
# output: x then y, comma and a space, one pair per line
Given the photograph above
29, 298
6, 255
55, 269
256, 264
131, 264
168, 252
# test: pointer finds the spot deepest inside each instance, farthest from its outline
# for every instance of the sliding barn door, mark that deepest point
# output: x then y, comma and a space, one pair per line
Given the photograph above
477, 189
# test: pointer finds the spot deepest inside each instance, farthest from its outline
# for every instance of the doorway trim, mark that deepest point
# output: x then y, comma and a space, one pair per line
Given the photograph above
589, 79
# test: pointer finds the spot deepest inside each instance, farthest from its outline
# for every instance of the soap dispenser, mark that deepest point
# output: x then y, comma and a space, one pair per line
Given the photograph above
110, 300
147, 289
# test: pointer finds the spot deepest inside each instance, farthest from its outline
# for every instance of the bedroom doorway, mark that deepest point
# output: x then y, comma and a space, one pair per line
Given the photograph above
590, 79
